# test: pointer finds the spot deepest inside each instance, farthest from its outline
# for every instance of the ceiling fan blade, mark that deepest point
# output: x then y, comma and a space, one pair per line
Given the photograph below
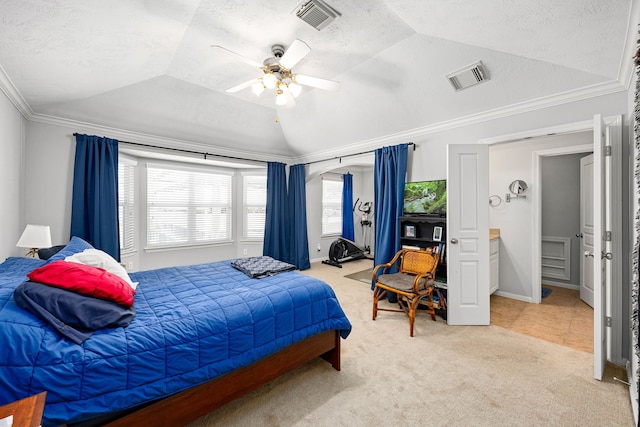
241, 86
294, 54
238, 56
316, 82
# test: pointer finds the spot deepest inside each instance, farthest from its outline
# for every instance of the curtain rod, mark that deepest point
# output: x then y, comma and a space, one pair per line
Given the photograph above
351, 155
188, 151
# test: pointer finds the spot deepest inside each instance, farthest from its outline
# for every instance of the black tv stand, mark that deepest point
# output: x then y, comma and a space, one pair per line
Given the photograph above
415, 215
420, 231
423, 231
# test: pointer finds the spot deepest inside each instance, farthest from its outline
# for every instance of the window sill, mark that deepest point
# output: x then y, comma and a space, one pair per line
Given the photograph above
187, 247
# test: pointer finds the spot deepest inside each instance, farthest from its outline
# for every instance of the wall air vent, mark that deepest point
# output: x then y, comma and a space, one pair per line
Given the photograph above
468, 76
316, 13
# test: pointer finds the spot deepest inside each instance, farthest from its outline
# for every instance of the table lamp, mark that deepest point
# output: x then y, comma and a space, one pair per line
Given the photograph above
35, 237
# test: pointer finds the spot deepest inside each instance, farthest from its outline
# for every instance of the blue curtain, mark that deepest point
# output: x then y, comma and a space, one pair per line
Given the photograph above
299, 247
276, 235
347, 206
389, 176
94, 207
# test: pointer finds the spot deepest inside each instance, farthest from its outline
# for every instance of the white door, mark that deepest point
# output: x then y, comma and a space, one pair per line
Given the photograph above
601, 176
468, 234
586, 229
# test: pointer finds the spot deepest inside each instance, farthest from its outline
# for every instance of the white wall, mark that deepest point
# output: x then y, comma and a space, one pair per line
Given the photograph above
365, 193
11, 172
50, 152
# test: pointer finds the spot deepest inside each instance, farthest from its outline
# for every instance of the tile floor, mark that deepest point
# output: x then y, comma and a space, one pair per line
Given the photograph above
561, 318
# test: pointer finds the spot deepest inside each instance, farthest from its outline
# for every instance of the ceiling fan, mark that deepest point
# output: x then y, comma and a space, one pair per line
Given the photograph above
278, 74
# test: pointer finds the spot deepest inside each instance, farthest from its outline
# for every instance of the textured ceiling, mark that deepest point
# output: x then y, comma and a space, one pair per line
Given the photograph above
149, 66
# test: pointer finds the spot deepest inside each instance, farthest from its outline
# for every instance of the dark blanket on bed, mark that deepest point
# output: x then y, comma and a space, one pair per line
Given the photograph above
192, 324
258, 267
73, 315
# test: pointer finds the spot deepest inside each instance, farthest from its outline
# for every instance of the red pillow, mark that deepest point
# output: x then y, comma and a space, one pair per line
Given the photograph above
86, 280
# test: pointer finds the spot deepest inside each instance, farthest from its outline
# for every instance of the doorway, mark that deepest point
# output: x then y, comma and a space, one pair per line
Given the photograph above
554, 180
521, 271
564, 210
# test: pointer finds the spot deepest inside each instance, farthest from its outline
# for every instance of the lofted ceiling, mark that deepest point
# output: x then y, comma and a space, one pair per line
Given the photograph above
148, 67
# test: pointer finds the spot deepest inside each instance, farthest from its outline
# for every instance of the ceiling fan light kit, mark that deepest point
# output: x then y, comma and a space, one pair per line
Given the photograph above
278, 75
258, 88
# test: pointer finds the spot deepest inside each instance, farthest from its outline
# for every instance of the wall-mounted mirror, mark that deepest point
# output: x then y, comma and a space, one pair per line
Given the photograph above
517, 188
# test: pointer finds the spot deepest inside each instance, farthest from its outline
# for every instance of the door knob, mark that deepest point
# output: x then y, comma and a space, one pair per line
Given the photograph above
579, 235
607, 255
454, 241
588, 253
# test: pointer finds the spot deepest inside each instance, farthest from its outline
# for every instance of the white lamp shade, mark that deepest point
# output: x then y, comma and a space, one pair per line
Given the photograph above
281, 99
269, 81
257, 88
35, 236
295, 89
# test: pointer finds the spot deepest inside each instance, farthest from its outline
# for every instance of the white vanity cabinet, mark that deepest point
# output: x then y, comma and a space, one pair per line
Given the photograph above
494, 255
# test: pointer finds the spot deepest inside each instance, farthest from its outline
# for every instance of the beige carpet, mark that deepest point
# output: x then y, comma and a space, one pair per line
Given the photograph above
443, 376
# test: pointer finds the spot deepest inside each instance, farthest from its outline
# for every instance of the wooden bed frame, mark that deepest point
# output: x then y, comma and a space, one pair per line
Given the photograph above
191, 404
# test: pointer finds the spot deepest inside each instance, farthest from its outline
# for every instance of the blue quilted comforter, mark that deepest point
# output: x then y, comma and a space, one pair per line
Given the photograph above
192, 324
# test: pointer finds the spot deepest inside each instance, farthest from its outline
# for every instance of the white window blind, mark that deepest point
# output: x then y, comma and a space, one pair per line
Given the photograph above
254, 190
126, 203
331, 206
187, 206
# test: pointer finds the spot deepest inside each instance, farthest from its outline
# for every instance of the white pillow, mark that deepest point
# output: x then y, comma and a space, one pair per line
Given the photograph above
100, 259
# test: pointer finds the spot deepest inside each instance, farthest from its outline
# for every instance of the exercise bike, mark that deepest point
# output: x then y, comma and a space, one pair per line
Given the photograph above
343, 250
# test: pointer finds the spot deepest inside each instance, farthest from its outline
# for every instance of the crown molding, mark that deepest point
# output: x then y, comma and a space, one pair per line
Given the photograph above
9, 89
627, 67
600, 89
160, 141
582, 126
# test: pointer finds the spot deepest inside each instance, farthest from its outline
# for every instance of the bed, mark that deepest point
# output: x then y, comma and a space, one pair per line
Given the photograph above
202, 336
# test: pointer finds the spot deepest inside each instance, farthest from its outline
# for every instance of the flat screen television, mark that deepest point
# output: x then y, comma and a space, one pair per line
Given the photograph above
428, 198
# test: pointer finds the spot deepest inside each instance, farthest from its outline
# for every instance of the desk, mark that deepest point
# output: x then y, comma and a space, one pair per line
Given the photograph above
26, 412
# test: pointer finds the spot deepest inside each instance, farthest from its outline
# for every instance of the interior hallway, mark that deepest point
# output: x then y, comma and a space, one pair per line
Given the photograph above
561, 318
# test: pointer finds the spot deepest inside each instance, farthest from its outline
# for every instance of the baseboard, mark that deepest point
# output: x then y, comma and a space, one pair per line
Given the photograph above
512, 296
561, 284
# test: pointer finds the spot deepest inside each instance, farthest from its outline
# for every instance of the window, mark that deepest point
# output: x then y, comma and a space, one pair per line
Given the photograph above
126, 202
254, 190
331, 206
187, 206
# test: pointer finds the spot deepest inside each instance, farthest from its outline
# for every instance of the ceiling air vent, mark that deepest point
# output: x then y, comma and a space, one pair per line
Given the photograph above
316, 13
468, 76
